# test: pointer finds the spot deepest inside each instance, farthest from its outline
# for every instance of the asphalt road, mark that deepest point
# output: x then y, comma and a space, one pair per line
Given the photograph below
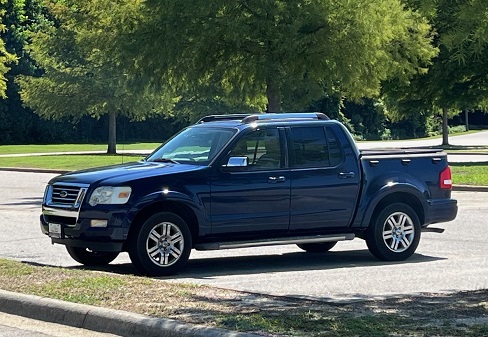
473, 140
452, 261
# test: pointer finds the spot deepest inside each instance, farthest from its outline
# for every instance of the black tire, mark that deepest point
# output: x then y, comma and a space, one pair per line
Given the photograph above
394, 234
162, 246
91, 258
320, 247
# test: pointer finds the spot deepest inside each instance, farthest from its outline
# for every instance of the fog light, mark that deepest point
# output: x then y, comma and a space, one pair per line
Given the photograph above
98, 223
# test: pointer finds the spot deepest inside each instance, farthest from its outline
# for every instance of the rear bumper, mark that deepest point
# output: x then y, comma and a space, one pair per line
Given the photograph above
441, 210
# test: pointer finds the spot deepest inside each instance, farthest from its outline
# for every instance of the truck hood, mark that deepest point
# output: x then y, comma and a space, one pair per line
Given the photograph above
123, 173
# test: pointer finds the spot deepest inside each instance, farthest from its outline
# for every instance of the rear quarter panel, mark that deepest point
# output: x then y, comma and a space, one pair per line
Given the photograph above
399, 173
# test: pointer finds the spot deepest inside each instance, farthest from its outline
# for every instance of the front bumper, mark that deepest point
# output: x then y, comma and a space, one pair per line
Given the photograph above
75, 229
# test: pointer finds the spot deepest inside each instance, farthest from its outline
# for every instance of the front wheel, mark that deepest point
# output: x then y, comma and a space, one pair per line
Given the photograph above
90, 257
394, 234
162, 246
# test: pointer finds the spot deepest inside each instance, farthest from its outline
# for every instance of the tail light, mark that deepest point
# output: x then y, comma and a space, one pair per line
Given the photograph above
445, 180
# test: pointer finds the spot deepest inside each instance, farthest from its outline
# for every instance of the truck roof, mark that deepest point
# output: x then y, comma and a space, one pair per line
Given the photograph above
261, 118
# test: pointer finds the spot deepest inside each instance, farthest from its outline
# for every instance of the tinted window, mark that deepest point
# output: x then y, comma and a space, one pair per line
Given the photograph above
262, 149
313, 147
335, 151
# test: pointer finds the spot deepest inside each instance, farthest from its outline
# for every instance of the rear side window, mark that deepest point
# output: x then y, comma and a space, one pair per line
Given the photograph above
314, 147
335, 150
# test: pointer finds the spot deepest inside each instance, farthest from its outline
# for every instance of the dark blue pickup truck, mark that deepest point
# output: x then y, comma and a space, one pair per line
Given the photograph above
233, 181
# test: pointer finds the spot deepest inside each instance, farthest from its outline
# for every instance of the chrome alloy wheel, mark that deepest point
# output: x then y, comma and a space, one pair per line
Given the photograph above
398, 232
165, 244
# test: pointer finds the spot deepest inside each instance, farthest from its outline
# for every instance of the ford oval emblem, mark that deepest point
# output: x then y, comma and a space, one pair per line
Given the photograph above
63, 194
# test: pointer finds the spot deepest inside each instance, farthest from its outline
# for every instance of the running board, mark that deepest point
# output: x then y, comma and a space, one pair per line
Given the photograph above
432, 230
274, 241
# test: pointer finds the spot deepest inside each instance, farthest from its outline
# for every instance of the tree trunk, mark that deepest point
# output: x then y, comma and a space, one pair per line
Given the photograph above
112, 133
445, 129
466, 119
273, 95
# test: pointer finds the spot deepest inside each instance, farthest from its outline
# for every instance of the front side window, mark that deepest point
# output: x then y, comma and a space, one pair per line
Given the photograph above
198, 145
262, 149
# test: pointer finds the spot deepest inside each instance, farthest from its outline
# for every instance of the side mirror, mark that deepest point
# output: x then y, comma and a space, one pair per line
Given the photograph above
235, 164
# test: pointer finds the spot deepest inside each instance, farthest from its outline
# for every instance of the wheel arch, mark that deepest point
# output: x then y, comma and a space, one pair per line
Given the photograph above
403, 198
401, 194
182, 210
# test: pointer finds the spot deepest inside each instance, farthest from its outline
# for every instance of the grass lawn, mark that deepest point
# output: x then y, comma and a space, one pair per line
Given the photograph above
14, 149
470, 173
67, 162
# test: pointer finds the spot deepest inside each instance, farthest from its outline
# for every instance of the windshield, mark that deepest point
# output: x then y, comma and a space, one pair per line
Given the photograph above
193, 145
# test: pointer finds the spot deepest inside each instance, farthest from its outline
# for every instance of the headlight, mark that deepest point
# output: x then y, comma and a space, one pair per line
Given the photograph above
109, 195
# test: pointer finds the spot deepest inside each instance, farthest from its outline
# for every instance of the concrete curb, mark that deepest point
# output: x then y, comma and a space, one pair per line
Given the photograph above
32, 170
104, 320
470, 188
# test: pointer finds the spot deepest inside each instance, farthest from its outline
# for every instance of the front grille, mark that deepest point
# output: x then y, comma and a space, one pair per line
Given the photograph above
65, 195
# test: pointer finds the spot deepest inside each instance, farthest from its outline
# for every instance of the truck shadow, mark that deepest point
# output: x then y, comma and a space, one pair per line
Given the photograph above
295, 261
209, 267
27, 201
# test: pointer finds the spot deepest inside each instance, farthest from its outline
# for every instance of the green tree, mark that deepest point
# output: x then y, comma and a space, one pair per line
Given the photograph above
458, 77
78, 79
6, 58
17, 123
274, 53
467, 43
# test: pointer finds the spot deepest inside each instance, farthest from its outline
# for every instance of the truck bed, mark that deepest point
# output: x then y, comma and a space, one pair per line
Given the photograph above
399, 152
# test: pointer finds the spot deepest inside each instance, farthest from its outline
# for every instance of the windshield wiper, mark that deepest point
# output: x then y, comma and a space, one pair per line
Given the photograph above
165, 160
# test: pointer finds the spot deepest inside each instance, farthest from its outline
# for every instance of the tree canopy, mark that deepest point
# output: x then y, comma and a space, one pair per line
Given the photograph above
143, 57
282, 54
458, 77
6, 58
78, 79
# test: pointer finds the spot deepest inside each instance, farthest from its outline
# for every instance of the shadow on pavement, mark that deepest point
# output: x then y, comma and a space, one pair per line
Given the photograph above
200, 268
27, 201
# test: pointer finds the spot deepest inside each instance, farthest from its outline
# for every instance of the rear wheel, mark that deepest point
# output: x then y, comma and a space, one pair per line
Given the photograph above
90, 257
319, 247
162, 246
394, 234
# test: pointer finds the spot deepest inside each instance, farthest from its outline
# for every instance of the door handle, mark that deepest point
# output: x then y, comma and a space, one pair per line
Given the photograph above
345, 175
274, 180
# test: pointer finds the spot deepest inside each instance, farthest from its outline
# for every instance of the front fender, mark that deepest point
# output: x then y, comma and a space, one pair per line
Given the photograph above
169, 196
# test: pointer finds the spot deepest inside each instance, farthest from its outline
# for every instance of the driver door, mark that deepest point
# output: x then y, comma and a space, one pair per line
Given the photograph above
255, 198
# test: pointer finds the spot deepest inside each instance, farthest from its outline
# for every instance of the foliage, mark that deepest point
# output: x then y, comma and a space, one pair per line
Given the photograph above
18, 123
279, 53
467, 43
6, 58
78, 79
458, 78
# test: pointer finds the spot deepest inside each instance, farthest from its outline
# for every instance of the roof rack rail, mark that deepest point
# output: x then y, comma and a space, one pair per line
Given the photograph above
213, 118
285, 116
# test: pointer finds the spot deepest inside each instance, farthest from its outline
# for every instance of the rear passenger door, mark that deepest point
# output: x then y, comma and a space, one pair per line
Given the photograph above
324, 177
